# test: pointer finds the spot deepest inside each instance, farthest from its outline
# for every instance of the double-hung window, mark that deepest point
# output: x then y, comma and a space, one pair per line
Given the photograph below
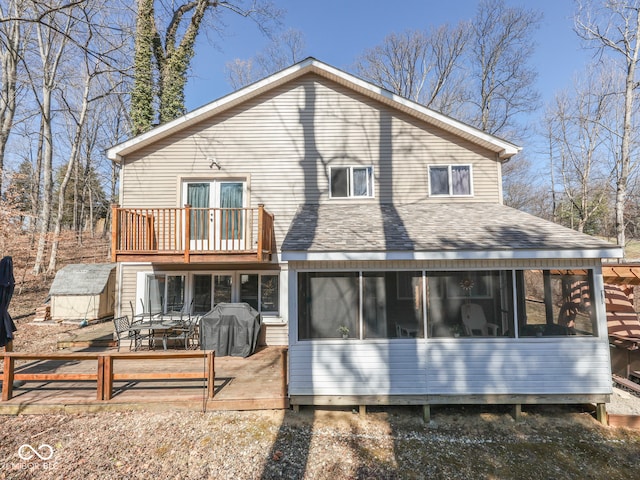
450, 180
351, 182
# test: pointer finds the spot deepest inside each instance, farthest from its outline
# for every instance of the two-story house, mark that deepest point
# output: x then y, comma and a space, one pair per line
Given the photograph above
370, 234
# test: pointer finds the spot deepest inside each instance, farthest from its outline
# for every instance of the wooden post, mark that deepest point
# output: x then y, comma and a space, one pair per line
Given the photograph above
107, 377
9, 346
362, 409
187, 232
517, 412
100, 393
601, 413
7, 378
426, 413
260, 230
114, 230
211, 376
285, 390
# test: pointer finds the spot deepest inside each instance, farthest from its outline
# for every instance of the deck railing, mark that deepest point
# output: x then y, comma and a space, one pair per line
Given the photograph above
191, 231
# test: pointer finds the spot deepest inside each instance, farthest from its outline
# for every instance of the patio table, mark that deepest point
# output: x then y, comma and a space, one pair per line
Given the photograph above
156, 325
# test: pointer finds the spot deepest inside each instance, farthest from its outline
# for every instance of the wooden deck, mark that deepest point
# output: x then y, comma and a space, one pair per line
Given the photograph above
252, 383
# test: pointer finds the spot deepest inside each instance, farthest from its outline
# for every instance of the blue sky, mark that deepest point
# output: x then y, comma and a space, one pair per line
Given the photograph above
338, 31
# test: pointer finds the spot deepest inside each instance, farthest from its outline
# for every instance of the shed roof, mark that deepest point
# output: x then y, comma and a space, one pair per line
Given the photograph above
432, 231
82, 279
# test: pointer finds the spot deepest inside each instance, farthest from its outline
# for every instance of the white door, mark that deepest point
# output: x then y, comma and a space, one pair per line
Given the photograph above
217, 215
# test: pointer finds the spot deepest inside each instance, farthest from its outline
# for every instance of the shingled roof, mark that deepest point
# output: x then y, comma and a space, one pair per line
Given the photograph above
432, 231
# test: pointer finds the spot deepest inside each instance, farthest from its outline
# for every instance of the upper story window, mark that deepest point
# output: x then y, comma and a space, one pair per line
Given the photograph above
450, 180
351, 182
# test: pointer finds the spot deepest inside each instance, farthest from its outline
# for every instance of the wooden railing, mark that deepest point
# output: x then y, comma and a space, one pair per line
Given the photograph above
188, 231
104, 374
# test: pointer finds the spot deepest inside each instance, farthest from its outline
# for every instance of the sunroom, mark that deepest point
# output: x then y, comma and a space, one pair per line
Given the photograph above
443, 303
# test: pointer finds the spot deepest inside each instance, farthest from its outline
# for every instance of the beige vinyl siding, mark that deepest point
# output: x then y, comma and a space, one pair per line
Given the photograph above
276, 334
285, 141
127, 279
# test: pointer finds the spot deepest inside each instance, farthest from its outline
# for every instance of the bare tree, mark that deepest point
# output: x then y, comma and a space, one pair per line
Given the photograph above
612, 27
11, 45
50, 46
419, 65
577, 126
284, 50
501, 76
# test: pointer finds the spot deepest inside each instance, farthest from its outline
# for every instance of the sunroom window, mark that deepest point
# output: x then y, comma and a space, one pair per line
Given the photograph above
450, 180
470, 303
555, 303
351, 182
328, 305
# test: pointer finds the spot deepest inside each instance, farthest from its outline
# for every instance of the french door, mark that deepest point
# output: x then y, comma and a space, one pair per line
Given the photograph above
217, 215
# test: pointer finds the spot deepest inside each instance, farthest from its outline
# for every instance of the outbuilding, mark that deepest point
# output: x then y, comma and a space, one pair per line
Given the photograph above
83, 292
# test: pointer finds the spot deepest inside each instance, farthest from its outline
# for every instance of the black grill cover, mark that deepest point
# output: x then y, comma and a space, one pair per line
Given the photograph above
230, 329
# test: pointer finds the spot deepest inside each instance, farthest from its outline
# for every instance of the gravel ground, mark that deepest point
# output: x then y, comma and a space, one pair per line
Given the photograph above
460, 443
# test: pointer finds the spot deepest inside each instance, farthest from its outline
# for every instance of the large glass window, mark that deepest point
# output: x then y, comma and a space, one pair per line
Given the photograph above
269, 294
351, 182
470, 303
450, 180
261, 291
202, 289
164, 293
555, 303
328, 305
392, 304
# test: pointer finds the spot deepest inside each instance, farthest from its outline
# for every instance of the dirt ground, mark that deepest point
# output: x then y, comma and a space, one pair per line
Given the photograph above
463, 442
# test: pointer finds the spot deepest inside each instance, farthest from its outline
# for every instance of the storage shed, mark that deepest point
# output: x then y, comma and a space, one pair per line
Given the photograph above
83, 292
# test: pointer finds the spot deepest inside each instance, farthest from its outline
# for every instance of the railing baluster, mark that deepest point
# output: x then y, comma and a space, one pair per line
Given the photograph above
152, 231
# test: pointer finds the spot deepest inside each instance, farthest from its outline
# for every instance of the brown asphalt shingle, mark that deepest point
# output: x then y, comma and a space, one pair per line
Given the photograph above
373, 227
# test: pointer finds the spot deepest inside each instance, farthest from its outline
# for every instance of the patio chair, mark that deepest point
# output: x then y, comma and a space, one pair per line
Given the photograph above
121, 325
475, 323
185, 333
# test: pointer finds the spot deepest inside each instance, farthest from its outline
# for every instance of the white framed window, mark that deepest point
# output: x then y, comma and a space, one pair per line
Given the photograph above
450, 180
198, 292
163, 292
351, 182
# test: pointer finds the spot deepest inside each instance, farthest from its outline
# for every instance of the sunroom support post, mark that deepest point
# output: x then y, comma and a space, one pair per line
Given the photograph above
601, 413
426, 413
548, 295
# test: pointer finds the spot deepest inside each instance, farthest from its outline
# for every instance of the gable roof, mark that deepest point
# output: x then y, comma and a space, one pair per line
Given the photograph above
82, 279
502, 148
434, 231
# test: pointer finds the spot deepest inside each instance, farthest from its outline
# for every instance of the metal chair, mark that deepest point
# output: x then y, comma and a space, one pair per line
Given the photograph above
184, 332
121, 325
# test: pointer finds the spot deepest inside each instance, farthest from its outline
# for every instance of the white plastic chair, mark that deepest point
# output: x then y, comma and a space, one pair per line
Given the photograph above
475, 323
